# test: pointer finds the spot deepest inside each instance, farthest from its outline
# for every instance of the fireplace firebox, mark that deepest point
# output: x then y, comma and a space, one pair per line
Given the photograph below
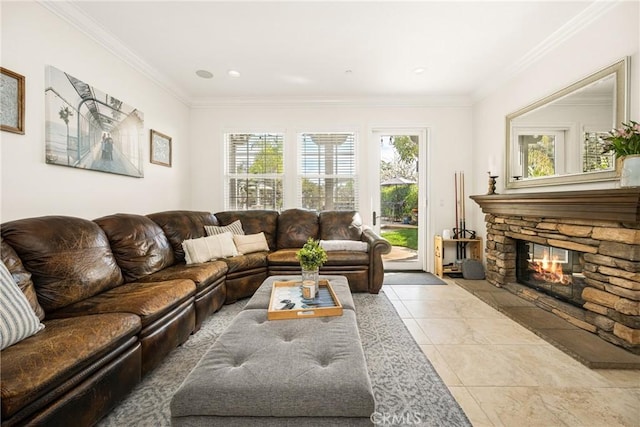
554, 271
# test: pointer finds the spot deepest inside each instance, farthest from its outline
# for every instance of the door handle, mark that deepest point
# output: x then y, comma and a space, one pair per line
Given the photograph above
374, 218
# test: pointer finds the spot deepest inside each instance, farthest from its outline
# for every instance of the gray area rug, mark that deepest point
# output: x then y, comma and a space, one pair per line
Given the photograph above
406, 278
407, 389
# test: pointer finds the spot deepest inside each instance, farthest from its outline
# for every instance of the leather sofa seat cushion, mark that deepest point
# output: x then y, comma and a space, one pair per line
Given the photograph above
347, 258
340, 225
254, 222
288, 257
283, 257
21, 276
65, 349
201, 274
150, 301
295, 226
246, 262
69, 258
179, 226
139, 244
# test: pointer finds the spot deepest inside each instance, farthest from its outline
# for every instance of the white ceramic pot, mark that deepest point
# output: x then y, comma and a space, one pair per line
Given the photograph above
630, 176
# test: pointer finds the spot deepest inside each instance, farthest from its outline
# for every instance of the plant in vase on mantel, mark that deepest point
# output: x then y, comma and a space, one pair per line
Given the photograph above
625, 144
311, 257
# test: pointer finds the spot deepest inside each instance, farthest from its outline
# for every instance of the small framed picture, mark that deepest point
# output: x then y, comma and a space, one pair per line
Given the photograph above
160, 148
11, 101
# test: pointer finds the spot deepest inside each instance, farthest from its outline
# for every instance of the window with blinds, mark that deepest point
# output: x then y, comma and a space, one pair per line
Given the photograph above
327, 165
593, 156
254, 176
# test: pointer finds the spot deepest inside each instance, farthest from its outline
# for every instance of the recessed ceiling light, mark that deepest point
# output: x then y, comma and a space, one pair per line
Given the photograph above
233, 73
204, 74
419, 70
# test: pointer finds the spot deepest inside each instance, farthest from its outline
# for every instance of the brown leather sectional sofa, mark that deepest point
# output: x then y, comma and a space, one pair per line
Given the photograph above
116, 297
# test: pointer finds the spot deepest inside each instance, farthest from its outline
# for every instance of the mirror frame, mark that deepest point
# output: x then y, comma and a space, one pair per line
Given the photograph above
621, 71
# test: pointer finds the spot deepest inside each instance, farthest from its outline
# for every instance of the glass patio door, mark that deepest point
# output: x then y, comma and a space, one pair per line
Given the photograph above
398, 205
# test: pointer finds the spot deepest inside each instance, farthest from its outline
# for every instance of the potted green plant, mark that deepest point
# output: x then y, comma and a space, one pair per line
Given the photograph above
625, 144
311, 257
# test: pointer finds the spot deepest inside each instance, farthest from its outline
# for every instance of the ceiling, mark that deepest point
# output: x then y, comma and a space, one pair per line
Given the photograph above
314, 50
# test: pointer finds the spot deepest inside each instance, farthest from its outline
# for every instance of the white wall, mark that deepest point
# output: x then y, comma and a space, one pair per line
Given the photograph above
605, 41
33, 37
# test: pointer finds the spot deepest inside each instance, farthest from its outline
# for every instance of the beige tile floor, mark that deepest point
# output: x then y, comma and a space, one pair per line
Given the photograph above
502, 374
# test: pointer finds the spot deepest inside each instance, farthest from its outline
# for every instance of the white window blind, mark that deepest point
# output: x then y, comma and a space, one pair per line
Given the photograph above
254, 174
327, 165
593, 156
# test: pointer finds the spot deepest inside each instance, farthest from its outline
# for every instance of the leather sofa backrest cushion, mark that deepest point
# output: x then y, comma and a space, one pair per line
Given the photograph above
254, 222
21, 276
179, 226
340, 225
295, 226
69, 258
139, 244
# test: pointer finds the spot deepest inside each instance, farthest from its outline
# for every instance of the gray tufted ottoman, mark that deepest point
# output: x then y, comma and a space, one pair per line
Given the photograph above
301, 372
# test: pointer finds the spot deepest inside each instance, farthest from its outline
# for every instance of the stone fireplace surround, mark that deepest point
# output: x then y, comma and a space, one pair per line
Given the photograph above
602, 224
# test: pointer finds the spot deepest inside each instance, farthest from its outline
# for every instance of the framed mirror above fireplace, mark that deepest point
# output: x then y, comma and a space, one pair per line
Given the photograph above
558, 139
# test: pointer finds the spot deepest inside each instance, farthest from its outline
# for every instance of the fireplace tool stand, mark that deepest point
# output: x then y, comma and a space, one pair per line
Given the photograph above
460, 231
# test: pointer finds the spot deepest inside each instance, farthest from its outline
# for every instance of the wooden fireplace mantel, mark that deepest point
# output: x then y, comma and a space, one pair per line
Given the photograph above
618, 204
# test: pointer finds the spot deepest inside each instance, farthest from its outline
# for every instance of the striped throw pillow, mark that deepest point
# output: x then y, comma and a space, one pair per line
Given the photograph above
17, 319
235, 228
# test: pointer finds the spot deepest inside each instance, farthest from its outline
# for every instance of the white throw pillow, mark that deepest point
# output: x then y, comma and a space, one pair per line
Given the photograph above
17, 319
344, 245
235, 228
209, 248
251, 243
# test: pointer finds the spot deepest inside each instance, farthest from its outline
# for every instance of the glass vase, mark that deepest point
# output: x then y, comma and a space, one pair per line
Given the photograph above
311, 275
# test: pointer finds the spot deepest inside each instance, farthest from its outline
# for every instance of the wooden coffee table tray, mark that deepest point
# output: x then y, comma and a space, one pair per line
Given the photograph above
325, 304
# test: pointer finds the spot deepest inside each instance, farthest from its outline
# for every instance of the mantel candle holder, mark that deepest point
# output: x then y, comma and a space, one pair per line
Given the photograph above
492, 184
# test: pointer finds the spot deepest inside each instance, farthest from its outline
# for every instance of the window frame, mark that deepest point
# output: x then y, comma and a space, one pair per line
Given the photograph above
562, 148
353, 172
291, 178
278, 202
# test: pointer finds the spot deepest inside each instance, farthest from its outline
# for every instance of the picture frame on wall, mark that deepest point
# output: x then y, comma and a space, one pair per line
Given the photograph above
89, 129
11, 101
160, 148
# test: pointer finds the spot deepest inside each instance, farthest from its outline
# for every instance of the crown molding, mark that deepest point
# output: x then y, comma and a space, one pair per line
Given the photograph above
343, 101
590, 14
73, 15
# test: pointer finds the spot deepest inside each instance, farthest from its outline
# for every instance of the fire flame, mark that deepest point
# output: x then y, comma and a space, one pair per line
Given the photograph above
549, 270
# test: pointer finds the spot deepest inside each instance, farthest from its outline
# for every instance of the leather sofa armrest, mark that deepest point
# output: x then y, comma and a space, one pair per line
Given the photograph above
376, 243
378, 246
